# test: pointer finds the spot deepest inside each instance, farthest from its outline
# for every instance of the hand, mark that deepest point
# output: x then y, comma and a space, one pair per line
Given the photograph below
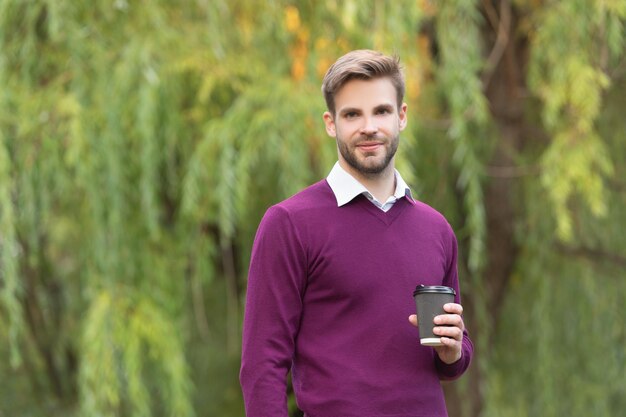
450, 327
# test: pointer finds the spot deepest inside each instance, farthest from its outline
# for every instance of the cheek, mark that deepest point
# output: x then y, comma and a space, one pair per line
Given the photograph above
343, 131
351, 129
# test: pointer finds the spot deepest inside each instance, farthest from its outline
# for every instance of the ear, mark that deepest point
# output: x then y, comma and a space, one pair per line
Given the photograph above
402, 116
330, 124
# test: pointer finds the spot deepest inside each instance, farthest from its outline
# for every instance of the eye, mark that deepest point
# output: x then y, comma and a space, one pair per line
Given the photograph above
350, 115
383, 111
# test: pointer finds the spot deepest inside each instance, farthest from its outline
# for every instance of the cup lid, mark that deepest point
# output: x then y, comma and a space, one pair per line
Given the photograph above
433, 289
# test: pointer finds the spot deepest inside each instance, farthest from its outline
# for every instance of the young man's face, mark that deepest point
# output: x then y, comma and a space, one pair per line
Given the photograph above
366, 125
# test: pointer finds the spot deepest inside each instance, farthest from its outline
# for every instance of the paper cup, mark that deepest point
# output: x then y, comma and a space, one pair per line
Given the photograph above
430, 300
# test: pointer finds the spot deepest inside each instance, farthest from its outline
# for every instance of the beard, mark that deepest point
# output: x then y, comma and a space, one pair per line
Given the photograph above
368, 165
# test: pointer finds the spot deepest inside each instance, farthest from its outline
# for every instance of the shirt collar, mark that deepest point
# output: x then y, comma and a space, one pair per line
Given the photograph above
346, 187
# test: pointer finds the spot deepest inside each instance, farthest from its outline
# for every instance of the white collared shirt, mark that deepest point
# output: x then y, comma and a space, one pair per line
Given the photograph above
346, 188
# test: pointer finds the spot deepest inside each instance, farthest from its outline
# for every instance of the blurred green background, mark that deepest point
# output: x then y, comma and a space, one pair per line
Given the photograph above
142, 141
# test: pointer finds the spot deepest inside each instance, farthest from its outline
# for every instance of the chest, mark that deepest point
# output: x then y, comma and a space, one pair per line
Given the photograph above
362, 261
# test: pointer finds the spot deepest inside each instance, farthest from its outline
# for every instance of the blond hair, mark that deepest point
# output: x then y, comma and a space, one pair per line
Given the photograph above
362, 64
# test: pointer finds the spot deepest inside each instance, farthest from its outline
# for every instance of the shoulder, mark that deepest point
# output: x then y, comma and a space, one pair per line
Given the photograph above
312, 198
307, 203
429, 213
431, 219
432, 225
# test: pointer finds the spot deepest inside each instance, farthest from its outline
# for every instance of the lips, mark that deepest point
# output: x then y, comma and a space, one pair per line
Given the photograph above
369, 146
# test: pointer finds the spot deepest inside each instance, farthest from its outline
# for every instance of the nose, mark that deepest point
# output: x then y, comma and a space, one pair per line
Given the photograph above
369, 127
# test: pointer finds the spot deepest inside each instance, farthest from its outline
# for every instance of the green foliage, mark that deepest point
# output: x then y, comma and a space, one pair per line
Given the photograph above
461, 84
247, 143
567, 73
124, 341
558, 304
10, 291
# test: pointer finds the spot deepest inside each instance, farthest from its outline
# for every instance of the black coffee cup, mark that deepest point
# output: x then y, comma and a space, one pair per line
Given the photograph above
430, 300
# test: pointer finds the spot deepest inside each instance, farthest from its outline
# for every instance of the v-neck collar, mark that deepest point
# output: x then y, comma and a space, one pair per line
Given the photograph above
386, 217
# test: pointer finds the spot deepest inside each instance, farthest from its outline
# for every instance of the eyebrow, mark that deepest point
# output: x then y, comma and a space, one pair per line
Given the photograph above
388, 107
347, 110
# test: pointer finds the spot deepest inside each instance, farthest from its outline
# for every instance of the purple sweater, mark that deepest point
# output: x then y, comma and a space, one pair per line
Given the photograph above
329, 294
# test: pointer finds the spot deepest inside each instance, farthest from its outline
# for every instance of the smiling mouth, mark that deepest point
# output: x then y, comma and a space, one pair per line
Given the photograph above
369, 146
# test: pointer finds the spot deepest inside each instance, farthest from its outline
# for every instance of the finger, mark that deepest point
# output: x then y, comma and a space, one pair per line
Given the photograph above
449, 320
449, 332
450, 342
413, 319
453, 308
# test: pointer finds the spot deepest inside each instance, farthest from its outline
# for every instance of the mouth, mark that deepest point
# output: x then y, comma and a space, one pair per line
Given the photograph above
369, 146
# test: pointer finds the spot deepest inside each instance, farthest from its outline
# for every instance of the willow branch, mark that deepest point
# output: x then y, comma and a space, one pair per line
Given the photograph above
199, 309
232, 299
593, 254
512, 171
492, 15
502, 40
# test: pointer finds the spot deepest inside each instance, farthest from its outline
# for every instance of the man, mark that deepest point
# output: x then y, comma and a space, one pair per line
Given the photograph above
333, 269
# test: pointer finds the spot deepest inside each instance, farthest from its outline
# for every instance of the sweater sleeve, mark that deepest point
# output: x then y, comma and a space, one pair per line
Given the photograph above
456, 369
276, 283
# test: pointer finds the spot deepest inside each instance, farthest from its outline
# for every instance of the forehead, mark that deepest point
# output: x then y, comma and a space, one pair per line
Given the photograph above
364, 94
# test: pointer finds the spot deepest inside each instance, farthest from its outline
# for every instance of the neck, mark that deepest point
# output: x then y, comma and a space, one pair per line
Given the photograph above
381, 185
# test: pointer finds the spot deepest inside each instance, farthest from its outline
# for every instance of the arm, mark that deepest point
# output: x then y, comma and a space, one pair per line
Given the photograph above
454, 357
276, 282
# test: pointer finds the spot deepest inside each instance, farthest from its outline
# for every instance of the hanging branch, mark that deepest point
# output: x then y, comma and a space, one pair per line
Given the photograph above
592, 254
